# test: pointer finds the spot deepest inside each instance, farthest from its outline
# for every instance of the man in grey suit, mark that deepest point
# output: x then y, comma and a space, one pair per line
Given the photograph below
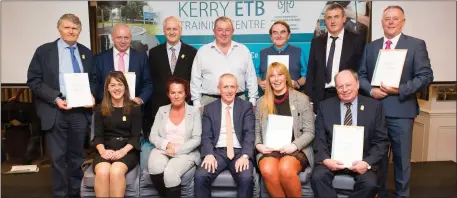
400, 104
227, 140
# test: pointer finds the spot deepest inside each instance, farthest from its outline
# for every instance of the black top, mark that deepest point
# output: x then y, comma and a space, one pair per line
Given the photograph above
283, 107
118, 125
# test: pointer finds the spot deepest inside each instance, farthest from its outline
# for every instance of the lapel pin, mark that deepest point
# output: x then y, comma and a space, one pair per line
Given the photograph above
182, 56
362, 107
292, 107
83, 57
124, 118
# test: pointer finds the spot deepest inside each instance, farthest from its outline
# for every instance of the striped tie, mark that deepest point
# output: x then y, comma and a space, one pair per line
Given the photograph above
348, 116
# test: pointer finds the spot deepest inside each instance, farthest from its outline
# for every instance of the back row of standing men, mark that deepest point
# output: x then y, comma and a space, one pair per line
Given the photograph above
330, 53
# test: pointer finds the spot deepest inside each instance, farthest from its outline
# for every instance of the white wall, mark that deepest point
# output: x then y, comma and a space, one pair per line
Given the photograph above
432, 21
28, 24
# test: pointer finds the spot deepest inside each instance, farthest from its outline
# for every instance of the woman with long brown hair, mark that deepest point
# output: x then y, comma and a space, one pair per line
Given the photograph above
117, 133
280, 168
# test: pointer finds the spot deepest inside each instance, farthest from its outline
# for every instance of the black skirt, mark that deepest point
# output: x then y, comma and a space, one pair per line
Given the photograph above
131, 159
299, 155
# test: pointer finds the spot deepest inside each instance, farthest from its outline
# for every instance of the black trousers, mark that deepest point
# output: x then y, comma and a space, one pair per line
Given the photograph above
321, 182
65, 143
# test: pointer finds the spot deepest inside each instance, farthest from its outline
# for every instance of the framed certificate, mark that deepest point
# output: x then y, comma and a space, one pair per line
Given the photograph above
389, 67
347, 144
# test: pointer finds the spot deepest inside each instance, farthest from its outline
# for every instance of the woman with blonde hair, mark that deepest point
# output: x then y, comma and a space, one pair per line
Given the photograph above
280, 167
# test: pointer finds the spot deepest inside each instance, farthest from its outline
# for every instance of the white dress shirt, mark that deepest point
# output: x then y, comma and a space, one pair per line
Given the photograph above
336, 56
169, 52
222, 142
210, 63
116, 59
394, 42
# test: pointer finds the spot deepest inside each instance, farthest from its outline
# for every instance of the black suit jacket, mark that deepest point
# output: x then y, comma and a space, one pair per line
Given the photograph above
351, 52
161, 72
370, 116
43, 80
243, 119
138, 63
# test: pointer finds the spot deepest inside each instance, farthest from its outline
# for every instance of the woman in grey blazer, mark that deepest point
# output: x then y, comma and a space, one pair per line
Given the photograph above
176, 134
280, 167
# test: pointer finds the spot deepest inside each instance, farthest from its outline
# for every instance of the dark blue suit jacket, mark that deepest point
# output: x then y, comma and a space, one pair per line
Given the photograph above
371, 117
43, 80
138, 63
417, 74
243, 119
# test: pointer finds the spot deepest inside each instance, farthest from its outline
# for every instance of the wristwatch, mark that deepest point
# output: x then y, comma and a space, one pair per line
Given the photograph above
368, 166
245, 156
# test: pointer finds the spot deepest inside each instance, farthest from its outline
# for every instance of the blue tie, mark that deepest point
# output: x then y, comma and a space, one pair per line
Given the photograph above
74, 62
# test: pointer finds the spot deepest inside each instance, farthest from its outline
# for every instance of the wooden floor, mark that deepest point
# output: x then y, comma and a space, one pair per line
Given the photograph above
428, 179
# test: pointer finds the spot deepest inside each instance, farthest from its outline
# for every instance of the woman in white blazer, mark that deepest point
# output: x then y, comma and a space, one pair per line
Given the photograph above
176, 134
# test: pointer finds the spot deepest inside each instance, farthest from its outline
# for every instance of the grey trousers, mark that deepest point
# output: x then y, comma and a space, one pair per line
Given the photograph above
173, 168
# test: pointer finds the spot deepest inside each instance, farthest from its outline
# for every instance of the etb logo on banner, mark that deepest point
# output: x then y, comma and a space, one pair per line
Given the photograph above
285, 5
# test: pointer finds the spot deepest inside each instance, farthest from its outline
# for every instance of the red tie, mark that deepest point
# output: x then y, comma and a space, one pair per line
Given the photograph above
388, 42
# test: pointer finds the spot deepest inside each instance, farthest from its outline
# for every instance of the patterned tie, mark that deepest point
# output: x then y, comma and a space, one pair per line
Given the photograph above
328, 70
173, 60
388, 42
229, 133
74, 62
121, 62
348, 116
279, 51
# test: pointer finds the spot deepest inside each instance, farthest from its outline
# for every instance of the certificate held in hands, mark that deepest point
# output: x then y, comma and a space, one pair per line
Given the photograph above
78, 90
389, 67
131, 81
279, 131
347, 144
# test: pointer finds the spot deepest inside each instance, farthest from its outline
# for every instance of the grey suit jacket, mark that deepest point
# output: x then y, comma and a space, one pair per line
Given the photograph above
303, 115
192, 135
417, 74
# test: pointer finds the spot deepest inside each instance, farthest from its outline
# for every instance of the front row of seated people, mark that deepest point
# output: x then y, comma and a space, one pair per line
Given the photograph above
225, 136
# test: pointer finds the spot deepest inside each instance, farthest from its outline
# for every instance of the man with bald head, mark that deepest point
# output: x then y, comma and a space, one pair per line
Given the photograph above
349, 108
400, 104
172, 58
124, 58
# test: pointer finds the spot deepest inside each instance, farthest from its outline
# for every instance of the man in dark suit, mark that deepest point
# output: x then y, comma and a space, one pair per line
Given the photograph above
123, 58
227, 140
173, 58
65, 127
400, 104
349, 108
330, 53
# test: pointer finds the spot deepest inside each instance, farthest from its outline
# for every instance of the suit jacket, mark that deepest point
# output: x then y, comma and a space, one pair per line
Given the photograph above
193, 132
302, 113
417, 74
138, 63
43, 80
243, 119
161, 72
351, 52
371, 117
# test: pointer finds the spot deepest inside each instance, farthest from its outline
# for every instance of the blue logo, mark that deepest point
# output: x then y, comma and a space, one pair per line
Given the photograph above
285, 5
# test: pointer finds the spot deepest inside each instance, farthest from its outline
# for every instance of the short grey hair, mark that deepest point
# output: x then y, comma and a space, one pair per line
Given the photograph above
172, 18
223, 19
227, 75
70, 17
354, 74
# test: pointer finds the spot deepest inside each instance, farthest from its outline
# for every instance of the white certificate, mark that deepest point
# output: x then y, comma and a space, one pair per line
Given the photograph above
389, 67
78, 90
131, 82
284, 59
279, 131
347, 144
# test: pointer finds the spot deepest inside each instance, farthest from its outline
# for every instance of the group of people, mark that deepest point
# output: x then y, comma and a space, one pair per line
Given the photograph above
202, 108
